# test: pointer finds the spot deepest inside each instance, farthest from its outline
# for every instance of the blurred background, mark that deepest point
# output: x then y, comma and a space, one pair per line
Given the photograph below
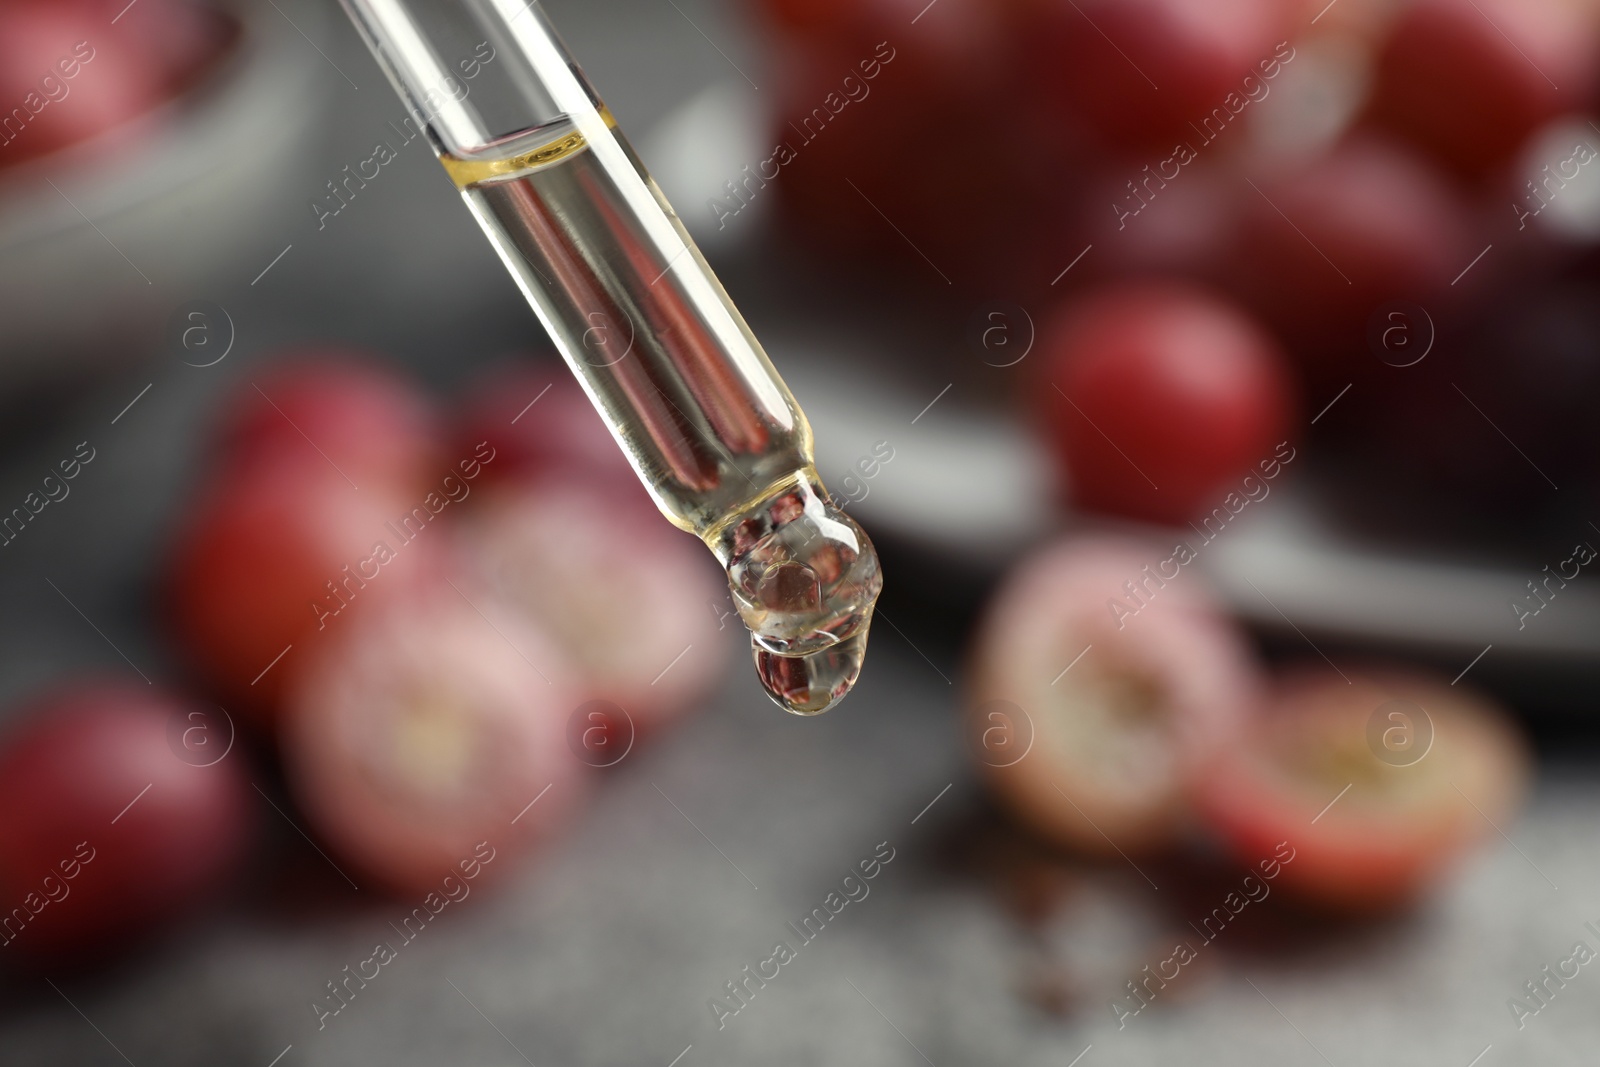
1213, 379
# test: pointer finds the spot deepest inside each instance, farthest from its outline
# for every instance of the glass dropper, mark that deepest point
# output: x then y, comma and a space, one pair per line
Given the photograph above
635, 310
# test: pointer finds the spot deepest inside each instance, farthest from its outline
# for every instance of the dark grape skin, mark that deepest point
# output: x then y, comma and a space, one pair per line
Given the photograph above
1138, 73
540, 423
132, 836
265, 552
320, 456
879, 180
1159, 397
335, 405
1494, 420
1468, 80
1320, 247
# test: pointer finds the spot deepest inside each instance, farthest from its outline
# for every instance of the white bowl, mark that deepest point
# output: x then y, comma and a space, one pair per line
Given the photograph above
100, 241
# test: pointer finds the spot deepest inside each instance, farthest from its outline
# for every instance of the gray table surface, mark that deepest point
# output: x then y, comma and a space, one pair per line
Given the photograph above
607, 948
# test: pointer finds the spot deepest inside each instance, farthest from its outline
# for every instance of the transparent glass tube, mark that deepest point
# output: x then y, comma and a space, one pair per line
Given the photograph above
638, 315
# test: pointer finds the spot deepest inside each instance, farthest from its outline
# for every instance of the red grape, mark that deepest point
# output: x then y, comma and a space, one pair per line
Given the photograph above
1469, 80
334, 407
540, 422
1378, 783
633, 602
1140, 72
275, 555
1321, 248
112, 821
427, 728
1160, 398
1094, 708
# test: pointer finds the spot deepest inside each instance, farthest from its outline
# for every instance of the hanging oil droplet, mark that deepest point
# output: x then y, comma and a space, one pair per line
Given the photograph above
811, 684
805, 579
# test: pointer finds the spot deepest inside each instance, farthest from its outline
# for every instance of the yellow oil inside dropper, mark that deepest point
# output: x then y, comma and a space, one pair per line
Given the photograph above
640, 318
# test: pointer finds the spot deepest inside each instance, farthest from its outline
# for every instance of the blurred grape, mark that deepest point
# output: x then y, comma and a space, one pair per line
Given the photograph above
1377, 784
107, 835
